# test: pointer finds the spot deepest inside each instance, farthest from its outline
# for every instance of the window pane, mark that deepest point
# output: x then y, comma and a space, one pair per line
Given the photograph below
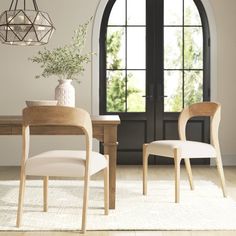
173, 48
116, 91
136, 49
115, 48
136, 12
136, 89
193, 87
173, 12
191, 14
173, 90
117, 16
193, 48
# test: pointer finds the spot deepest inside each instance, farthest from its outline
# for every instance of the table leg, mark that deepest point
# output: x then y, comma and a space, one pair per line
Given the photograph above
110, 148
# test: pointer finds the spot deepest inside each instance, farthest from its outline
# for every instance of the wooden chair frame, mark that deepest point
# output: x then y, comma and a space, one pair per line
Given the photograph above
65, 116
210, 109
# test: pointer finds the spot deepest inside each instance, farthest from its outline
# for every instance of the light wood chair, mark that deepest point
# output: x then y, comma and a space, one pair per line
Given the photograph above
183, 149
63, 163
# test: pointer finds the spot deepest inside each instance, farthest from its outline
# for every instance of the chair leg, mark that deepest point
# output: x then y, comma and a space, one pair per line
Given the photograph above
189, 172
221, 174
145, 168
85, 203
45, 193
106, 187
21, 200
177, 160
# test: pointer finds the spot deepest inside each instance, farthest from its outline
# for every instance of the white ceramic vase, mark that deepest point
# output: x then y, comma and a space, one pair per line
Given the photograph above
65, 93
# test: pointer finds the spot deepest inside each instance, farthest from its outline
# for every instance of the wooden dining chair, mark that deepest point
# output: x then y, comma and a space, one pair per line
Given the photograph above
183, 149
63, 163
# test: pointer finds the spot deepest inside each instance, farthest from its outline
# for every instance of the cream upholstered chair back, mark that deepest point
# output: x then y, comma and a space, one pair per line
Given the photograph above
210, 109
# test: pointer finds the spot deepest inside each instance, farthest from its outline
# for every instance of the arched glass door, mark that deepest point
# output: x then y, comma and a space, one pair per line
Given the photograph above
154, 61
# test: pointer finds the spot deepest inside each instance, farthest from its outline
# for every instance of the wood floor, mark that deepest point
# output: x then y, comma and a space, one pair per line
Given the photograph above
135, 173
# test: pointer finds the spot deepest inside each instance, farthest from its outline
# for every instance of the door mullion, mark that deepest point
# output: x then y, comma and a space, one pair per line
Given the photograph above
152, 11
158, 57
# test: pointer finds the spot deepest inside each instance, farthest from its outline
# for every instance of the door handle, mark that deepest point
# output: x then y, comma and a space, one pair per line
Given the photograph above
150, 96
147, 96
150, 92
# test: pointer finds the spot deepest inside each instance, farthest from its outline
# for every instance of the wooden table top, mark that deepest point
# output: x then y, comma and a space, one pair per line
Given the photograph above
103, 119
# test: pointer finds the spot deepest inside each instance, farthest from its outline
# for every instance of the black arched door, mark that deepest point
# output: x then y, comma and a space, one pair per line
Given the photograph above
154, 60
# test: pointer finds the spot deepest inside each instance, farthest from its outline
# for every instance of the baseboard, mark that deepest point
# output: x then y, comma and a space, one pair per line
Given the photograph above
228, 160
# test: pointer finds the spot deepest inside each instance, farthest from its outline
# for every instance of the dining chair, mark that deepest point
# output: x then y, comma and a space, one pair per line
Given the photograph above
184, 149
61, 163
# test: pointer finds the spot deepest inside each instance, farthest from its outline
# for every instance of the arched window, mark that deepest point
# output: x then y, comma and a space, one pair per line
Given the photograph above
154, 60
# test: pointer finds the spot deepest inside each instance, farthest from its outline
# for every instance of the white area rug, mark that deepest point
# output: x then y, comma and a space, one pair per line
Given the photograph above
201, 209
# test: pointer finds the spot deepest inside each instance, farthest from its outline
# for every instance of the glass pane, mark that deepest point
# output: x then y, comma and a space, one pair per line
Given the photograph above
116, 91
117, 16
173, 47
115, 48
136, 89
136, 47
193, 87
193, 48
191, 14
173, 91
173, 12
136, 12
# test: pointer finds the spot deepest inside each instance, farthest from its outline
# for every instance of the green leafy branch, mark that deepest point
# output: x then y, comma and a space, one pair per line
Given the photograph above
65, 62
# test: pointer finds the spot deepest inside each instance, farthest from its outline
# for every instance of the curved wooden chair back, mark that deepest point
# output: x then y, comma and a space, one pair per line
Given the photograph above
56, 116
210, 109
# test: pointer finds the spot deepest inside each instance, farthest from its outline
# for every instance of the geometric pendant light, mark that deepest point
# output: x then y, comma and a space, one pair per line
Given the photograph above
25, 27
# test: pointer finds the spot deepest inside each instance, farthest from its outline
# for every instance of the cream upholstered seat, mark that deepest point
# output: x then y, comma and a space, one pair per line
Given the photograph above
64, 163
184, 149
188, 148
67, 163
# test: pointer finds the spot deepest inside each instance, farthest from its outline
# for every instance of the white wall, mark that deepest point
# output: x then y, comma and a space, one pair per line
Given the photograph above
17, 82
225, 19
